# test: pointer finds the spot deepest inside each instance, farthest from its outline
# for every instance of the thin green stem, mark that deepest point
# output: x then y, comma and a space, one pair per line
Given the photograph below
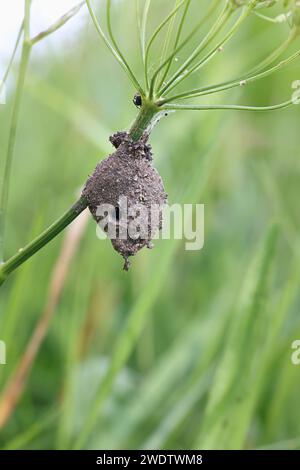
113, 40
112, 49
178, 107
277, 52
144, 28
27, 20
25, 55
230, 84
154, 36
13, 126
177, 39
169, 35
270, 19
265, 17
182, 45
58, 24
136, 318
51, 232
144, 119
13, 55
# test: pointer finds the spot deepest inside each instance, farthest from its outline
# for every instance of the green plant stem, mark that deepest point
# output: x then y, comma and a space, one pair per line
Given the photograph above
143, 29
112, 49
13, 55
168, 37
178, 107
116, 46
183, 72
241, 81
154, 36
27, 20
43, 239
58, 24
182, 44
215, 50
14, 124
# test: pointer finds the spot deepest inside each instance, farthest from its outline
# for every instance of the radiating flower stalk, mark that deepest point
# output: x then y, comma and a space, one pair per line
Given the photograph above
155, 89
27, 44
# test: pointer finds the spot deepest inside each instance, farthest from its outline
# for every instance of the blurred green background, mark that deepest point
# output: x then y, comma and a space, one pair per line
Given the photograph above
188, 349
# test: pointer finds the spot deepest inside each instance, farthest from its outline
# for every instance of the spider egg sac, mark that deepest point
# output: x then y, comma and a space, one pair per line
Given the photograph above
127, 182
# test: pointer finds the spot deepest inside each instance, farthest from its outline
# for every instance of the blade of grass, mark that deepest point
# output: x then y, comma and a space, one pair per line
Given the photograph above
42, 240
288, 444
139, 24
223, 426
154, 36
287, 380
208, 335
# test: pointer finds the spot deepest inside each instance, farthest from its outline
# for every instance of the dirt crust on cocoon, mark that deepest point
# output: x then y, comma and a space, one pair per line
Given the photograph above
127, 178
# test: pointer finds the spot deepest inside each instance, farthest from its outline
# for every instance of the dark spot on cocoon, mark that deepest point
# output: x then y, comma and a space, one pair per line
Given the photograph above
128, 173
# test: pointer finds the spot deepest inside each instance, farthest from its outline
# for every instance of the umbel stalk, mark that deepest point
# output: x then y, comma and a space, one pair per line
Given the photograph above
155, 98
